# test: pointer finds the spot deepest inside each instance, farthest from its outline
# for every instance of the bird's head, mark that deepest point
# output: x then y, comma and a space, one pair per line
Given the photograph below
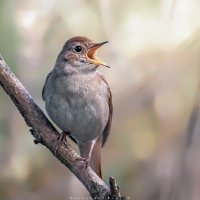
81, 53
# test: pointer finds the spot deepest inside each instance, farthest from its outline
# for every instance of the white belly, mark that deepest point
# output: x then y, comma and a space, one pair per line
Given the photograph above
84, 117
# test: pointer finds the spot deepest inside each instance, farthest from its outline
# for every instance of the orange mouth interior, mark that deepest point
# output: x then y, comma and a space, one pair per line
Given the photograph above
92, 55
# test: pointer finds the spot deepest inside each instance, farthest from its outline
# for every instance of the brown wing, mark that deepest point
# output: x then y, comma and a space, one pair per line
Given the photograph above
106, 131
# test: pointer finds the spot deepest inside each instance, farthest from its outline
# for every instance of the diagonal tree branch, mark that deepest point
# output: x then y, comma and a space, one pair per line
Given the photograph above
45, 133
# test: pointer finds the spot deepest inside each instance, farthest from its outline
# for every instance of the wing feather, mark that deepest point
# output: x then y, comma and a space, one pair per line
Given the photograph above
106, 131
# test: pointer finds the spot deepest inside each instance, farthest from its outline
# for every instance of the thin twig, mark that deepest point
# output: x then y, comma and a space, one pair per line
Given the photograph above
114, 190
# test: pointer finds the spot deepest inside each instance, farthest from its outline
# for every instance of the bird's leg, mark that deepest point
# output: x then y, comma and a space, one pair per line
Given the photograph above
61, 138
86, 151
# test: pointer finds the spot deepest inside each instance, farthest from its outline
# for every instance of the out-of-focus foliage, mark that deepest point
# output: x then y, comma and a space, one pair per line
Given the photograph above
154, 57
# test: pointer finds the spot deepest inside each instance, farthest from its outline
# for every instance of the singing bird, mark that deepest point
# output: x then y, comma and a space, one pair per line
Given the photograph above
78, 98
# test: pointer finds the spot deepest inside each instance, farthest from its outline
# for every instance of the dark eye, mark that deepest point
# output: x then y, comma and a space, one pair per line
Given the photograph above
78, 48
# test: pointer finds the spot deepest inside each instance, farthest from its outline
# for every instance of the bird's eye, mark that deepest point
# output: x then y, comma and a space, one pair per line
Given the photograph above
78, 48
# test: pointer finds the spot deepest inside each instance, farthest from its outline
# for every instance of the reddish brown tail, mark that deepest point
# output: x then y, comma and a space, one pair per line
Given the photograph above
92, 152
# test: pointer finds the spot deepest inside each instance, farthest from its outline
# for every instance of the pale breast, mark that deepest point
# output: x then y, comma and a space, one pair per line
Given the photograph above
79, 105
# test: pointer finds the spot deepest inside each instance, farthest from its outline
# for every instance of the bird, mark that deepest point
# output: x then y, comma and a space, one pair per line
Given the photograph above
78, 99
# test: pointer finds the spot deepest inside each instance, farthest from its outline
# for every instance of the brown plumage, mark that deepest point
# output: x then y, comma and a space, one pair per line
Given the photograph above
78, 98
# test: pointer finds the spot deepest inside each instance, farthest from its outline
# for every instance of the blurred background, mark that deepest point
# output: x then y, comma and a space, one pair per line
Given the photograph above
154, 77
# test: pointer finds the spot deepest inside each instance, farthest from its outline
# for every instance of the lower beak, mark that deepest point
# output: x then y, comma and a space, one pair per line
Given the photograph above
92, 54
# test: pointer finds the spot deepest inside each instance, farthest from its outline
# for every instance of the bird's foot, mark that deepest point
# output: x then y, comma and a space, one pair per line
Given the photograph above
85, 161
61, 138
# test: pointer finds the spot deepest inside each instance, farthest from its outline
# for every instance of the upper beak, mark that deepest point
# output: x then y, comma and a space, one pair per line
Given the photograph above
92, 52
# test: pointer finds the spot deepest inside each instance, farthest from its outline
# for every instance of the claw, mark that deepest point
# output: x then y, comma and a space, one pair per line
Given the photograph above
61, 138
85, 161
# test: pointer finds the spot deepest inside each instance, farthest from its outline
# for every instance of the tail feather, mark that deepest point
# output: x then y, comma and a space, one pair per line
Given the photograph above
92, 151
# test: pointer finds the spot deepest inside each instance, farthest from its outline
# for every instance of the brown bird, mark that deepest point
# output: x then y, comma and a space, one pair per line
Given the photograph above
78, 98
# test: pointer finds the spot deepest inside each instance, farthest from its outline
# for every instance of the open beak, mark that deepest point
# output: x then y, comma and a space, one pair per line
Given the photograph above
92, 54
